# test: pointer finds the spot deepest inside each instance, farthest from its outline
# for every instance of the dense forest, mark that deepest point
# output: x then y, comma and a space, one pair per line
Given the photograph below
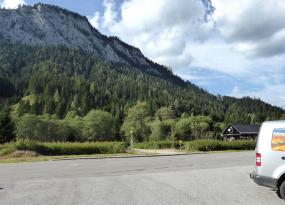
61, 94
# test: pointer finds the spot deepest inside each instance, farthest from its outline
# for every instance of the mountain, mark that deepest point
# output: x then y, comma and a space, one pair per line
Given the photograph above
52, 61
44, 25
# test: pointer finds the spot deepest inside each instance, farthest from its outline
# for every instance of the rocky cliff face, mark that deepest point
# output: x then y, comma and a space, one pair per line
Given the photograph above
50, 25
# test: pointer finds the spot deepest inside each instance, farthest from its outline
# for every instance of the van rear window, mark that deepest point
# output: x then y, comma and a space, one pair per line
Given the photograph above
278, 139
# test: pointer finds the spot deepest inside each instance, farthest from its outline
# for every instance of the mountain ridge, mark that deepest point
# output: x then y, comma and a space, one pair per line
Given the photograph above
44, 24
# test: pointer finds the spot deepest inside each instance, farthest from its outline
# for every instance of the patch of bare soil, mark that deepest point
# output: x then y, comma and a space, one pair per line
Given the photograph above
159, 151
22, 154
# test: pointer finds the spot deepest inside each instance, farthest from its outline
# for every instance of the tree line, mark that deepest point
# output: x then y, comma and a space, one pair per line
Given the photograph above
99, 125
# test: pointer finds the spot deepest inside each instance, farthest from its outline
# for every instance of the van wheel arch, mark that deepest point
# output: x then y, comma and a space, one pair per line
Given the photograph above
280, 180
280, 192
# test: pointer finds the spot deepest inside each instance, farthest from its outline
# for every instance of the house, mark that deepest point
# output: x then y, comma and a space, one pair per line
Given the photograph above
240, 131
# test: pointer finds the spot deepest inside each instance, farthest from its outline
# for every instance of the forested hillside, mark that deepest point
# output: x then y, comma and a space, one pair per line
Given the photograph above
62, 80
70, 94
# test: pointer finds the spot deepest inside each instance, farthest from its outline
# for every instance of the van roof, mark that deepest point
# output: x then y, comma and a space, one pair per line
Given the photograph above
274, 122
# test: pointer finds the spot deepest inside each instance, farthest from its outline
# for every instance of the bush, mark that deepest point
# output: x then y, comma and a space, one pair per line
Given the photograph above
8, 148
158, 145
76, 148
30, 127
213, 145
98, 125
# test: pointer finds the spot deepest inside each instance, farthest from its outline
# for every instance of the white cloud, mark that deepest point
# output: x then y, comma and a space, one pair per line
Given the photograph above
12, 4
161, 28
107, 20
177, 35
95, 20
255, 27
110, 14
236, 91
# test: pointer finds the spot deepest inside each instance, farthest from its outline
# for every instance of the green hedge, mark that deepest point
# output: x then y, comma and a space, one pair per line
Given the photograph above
158, 145
76, 148
212, 145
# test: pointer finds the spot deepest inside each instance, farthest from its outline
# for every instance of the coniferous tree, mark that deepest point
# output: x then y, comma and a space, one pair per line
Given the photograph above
7, 126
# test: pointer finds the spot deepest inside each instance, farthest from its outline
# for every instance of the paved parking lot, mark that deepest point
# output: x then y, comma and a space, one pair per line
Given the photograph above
220, 178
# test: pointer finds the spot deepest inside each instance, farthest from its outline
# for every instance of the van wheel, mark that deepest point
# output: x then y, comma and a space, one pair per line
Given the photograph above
281, 190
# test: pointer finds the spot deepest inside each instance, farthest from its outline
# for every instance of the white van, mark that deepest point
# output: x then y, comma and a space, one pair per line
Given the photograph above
270, 157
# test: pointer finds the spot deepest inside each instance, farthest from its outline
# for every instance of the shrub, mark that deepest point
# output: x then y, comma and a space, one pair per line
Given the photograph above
76, 148
212, 145
6, 149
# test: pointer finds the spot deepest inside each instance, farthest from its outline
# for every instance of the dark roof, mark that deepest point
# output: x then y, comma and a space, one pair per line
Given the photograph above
244, 129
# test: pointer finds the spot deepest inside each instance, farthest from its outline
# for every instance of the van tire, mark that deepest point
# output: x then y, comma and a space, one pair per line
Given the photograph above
281, 190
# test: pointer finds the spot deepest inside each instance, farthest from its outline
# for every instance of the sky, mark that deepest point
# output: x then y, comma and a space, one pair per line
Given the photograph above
233, 48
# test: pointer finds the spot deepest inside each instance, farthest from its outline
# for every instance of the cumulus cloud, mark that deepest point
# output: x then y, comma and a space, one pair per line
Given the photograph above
110, 14
161, 28
12, 4
104, 22
95, 20
255, 27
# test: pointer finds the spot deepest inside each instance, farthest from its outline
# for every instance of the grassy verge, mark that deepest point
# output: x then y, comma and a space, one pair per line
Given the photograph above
59, 148
216, 145
158, 145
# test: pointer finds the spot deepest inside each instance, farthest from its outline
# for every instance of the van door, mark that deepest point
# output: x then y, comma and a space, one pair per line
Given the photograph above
278, 147
270, 149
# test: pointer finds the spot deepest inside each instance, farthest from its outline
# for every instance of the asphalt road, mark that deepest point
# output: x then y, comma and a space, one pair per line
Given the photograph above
189, 179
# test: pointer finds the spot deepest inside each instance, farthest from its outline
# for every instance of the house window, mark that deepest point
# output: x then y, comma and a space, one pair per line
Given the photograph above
278, 139
230, 130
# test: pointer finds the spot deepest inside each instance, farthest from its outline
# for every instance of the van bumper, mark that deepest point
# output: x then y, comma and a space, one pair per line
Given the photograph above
263, 180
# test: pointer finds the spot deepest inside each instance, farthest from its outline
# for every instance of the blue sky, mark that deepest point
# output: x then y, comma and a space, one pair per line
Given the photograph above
236, 49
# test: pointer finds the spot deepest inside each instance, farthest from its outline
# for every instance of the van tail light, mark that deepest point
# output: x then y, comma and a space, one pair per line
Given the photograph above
258, 159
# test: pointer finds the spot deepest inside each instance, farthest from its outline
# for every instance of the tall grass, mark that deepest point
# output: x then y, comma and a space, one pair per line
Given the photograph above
213, 145
76, 148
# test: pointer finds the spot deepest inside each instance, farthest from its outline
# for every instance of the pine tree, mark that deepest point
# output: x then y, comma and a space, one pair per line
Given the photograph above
7, 127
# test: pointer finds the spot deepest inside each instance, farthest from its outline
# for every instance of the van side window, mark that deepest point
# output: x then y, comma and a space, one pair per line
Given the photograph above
278, 139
